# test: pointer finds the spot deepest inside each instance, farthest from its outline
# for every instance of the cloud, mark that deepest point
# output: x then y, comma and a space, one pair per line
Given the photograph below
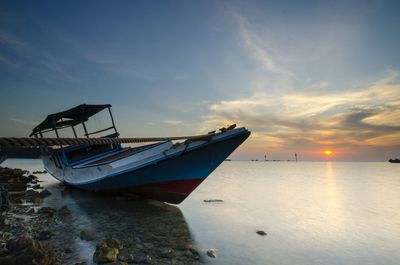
363, 116
172, 122
11, 41
254, 45
24, 122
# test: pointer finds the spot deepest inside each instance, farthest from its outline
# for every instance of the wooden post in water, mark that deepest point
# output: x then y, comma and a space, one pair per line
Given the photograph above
295, 156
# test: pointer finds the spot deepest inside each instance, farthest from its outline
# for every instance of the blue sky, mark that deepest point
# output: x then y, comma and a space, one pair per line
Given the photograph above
302, 75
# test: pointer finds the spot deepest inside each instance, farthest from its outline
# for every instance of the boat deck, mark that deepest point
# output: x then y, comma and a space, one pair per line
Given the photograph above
119, 155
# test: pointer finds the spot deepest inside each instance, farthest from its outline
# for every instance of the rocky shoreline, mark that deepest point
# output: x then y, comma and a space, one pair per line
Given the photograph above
125, 231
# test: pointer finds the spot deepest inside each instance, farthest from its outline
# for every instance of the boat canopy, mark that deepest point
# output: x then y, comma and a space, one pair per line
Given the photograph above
68, 118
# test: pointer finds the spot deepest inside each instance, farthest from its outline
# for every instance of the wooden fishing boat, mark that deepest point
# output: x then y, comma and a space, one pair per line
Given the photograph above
162, 170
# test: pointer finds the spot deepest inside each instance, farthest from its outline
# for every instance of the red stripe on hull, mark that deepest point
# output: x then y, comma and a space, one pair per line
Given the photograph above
171, 192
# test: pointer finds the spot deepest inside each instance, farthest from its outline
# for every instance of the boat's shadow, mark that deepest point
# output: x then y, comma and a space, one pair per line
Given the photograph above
145, 227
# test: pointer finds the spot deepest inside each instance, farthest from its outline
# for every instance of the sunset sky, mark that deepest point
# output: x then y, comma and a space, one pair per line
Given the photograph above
303, 76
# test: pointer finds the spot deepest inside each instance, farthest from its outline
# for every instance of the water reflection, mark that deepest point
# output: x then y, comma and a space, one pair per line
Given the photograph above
334, 196
145, 227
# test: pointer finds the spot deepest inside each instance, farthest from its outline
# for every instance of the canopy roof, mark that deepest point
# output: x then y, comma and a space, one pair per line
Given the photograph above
69, 117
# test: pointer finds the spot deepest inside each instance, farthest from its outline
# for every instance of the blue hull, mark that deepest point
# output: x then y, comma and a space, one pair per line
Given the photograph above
171, 179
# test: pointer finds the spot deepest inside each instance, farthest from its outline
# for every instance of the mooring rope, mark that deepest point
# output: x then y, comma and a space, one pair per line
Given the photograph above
36, 142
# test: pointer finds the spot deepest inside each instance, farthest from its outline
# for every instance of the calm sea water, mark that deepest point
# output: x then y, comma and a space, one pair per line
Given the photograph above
313, 213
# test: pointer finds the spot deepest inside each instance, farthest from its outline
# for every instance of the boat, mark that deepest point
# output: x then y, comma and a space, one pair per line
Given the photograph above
396, 160
164, 170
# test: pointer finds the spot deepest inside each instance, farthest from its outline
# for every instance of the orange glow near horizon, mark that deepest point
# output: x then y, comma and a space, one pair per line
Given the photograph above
328, 152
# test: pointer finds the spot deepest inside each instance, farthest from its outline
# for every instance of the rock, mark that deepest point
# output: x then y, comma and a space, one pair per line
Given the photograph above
212, 200
3, 249
4, 200
212, 253
87, 235
25, 250
114, 243
44, 235
31, 193
31, 210
64, 211
34, 199
36, 187
47, 210
44, 193
81, 263
261, 233
32, 178
104, 253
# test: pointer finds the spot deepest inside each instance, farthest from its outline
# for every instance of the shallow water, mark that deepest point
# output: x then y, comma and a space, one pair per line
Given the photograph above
313, 213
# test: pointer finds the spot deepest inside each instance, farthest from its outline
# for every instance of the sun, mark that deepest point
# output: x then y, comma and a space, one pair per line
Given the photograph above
328, 152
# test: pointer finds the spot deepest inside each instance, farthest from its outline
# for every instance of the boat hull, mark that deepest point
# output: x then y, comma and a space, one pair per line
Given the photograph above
172, 179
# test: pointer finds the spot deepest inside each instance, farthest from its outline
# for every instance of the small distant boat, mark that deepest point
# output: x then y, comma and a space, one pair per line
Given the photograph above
396, 160
163, 171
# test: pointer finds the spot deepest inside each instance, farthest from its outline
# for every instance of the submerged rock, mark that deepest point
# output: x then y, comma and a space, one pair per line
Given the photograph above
64, 211
87, 235
166, 252
142, 258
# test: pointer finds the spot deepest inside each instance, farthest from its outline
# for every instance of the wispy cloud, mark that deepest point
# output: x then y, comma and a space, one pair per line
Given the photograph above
11, 42
24, 122
256, 46
364, 116
172, 122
